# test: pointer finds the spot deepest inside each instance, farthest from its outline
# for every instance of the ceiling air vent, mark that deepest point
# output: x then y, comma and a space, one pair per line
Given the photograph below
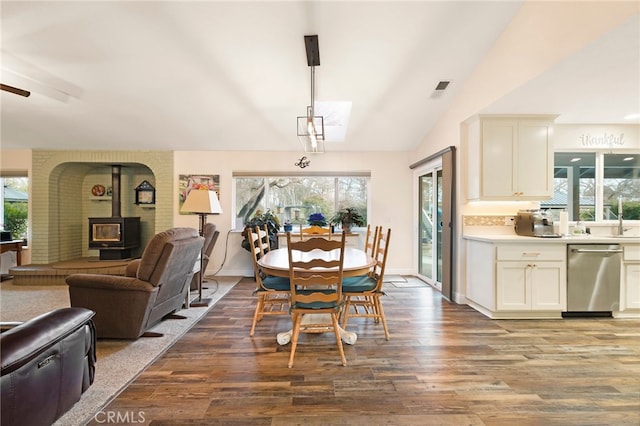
440, 88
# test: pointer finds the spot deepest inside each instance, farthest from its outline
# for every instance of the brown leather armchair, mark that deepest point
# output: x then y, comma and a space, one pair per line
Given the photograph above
210, 238
47, 363
155, 286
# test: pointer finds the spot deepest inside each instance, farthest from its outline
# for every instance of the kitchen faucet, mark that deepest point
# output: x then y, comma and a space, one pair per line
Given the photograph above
621, 227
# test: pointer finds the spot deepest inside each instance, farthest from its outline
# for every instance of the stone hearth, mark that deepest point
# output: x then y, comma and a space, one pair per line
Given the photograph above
55, 273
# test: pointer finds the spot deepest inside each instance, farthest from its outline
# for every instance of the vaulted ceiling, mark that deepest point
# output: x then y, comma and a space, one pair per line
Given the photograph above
233, 75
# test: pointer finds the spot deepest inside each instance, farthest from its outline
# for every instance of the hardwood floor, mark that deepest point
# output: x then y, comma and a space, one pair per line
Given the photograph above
445, 364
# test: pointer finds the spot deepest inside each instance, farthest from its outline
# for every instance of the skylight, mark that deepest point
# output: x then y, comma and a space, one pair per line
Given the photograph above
336, 118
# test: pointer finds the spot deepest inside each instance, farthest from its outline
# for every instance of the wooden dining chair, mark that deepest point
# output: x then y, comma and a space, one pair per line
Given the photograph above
316, 288
370, 240
362, 294
315, 231
263, 239
273, 292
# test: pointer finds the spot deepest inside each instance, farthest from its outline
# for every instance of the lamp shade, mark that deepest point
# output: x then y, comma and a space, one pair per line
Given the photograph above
201, 201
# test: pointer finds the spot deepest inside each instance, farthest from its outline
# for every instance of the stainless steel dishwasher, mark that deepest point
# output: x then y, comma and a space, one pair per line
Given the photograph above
593, 279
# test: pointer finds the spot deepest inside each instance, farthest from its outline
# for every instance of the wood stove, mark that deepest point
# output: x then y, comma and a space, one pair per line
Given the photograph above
114, 236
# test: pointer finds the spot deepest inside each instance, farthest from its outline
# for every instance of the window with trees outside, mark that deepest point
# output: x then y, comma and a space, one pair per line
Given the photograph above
15, 203
293, 198
590, 185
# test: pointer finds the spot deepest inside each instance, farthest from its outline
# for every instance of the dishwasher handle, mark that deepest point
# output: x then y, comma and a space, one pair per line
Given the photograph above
596, 251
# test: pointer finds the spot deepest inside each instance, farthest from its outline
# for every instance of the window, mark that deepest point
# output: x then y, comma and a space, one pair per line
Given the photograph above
294, 198
15, 203
589, 185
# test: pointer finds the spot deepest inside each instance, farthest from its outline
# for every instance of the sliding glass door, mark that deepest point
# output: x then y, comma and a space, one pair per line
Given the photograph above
430, 226
434, 226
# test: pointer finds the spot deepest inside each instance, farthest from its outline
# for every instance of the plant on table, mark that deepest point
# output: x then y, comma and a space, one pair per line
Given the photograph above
317, 219
348, 217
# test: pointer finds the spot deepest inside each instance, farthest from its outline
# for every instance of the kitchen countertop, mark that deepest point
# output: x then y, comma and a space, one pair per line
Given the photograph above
571, 239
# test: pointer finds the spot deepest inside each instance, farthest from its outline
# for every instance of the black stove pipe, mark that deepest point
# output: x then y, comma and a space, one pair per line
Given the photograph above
115, 187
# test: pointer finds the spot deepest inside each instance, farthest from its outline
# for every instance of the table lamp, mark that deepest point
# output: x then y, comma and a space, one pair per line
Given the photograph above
202, 202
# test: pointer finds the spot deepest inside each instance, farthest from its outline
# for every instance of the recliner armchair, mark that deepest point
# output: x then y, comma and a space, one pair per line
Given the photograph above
154, 287
47, 363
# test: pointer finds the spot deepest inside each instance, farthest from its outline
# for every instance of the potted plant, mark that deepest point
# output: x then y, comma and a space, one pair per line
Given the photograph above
288, 227
348, 217
317, 219
260, 219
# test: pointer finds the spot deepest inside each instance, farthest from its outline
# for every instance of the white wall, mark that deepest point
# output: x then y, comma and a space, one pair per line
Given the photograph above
389, 204
521, 53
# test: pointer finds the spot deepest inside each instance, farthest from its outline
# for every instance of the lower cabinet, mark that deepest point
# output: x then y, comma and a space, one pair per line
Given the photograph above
520, 280
631, 274
517, 280
531, 286
632, 288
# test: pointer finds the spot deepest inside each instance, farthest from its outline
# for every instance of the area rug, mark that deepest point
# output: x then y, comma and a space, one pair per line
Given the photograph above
119, 361
405, 282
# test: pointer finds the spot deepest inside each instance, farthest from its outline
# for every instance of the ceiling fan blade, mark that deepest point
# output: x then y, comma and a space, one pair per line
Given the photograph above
15, 90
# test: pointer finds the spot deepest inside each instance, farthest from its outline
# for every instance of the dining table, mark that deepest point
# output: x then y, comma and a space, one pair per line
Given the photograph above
356, 262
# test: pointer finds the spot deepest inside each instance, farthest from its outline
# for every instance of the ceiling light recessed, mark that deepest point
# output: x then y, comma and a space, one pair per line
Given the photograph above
633, 116
573, 160
627, 159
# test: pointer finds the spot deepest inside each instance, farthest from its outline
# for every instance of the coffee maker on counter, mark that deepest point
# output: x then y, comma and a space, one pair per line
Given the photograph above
535, 223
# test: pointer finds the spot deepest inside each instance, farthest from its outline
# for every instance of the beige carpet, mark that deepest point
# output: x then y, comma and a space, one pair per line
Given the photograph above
119, 361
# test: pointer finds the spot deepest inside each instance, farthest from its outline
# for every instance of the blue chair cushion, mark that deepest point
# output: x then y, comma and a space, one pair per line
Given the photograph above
358, 284
317, 305
276, 283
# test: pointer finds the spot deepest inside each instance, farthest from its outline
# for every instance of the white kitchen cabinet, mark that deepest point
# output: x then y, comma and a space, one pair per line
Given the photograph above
510, 276
534, 286
510, 158
531, 277
630, 290
517, 280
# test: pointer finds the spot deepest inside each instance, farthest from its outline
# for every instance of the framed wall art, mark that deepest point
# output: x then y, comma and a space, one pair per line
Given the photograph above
145, 193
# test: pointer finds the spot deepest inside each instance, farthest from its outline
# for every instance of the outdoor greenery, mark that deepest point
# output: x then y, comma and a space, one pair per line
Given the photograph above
15, 216
16, 211
293, 199
630, 210
613, 177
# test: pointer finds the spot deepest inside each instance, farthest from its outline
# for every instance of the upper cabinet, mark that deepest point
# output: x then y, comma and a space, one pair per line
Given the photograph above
510, 157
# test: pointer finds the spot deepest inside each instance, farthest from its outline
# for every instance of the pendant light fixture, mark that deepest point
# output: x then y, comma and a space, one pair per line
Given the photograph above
311, 126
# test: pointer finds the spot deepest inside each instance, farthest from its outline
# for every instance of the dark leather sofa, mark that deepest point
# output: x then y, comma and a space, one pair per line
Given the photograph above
47, 363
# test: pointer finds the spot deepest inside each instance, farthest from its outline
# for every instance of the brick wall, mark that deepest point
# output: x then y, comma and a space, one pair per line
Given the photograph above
62, 202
